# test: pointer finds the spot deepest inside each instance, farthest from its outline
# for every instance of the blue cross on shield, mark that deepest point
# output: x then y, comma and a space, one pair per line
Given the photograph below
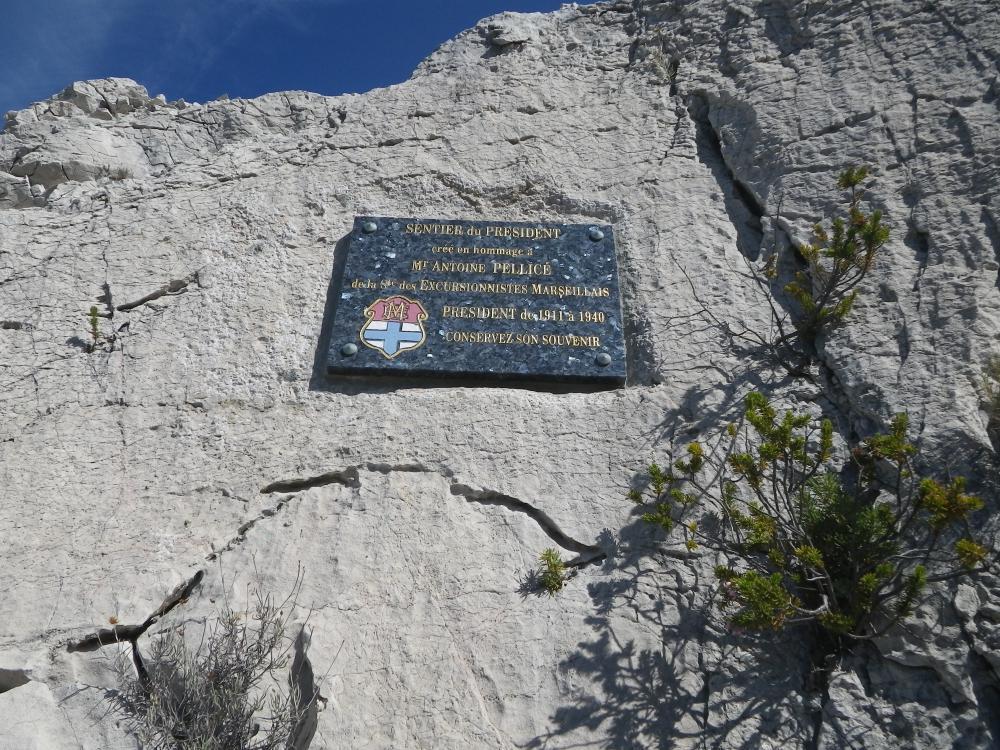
394, 325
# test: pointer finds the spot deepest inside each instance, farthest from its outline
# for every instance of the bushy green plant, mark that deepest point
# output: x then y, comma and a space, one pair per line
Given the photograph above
551, 571
849, 549
223, 693
836, 262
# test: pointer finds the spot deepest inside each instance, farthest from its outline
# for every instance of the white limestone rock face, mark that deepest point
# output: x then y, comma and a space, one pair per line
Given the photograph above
17, 192
32, 720
512, 28
201, 431
70, 149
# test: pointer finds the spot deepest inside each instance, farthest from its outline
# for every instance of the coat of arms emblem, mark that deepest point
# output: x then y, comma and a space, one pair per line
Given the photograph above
394, 325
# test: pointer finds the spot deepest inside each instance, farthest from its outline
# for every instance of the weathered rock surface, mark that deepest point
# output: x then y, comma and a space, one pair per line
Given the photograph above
202, 431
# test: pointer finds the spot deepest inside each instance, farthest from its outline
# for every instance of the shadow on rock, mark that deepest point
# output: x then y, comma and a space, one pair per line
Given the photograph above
700, 686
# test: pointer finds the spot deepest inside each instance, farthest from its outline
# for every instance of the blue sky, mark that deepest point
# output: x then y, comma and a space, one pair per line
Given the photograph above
199, 49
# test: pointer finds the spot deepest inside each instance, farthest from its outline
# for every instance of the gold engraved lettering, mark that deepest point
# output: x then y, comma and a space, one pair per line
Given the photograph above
553, 316
510, 252
395, 312
464, 287
478, 337
567, 290
528, 233
480, 313
571, 340
452, 229
523, 269
502, 338
451, 266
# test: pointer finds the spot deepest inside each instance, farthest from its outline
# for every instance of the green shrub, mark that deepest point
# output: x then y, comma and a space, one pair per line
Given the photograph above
551, 571
836, 262
846, 548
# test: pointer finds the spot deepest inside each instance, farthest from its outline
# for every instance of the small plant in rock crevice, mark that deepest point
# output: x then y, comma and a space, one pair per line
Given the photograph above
836, 262
551, 573
848, 549
93, 318
115, 174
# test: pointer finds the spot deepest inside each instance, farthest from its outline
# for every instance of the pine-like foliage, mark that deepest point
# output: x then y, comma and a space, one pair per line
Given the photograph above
838, 259
551, 571
848, 548
95, 328
822, 294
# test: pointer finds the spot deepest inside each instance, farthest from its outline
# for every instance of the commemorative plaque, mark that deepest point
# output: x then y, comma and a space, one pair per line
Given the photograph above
483, 299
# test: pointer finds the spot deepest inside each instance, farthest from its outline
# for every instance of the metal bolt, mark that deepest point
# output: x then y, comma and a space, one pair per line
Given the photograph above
595, 234
368, 227
603, 359
349, 350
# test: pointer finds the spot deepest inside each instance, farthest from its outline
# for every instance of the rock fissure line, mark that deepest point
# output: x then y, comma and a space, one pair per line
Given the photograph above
587, 554
130, 633
740, 199
241, 532
173, 287
348, 477
383, 468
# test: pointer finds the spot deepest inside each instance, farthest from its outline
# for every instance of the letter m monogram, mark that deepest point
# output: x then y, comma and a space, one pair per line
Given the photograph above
395, 312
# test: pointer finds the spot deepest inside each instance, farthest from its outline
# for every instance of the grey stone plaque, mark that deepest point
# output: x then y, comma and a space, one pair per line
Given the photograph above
485, 299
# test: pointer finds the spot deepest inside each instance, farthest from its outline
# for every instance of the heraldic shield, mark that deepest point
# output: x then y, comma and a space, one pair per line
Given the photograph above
395, 325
